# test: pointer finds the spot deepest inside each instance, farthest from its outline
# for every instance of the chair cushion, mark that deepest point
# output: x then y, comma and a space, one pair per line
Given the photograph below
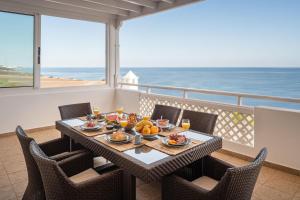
66, 154
205, 182
84, 176
100, 161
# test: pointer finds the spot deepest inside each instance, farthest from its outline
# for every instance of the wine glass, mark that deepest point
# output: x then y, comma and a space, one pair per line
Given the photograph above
96, 111
185, 124
120, 111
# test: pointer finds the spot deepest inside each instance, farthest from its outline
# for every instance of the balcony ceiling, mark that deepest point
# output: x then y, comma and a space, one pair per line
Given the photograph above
97, 10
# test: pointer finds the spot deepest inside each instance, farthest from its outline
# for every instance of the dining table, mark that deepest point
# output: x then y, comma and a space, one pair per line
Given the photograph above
142, 161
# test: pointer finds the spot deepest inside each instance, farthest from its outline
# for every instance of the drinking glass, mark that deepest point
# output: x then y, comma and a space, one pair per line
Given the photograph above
96, 111
123, 123
120, 111
185, 124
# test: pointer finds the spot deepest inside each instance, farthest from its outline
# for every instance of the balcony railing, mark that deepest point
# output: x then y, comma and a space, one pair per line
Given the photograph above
238, 96
235, 122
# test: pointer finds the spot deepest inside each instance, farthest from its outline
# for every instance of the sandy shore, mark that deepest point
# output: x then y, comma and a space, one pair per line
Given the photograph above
48, 82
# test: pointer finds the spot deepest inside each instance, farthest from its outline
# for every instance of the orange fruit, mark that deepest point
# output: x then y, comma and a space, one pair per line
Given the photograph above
146, 130
154, 129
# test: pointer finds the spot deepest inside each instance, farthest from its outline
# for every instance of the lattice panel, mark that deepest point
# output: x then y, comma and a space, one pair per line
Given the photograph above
231, 125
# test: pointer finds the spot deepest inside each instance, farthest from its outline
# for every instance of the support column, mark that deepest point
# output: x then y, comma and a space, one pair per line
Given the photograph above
112, 53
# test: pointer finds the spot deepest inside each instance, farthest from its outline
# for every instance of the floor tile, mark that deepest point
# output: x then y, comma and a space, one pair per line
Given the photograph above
4, 180
19, 188
17, 177
7, 193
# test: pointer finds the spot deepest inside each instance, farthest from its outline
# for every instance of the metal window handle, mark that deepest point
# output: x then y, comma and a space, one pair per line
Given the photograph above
39, 55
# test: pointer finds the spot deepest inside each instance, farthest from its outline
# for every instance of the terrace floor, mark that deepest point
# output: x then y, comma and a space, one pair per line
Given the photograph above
271, 185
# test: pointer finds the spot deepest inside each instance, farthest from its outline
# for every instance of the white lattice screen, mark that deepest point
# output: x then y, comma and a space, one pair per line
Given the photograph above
232, 124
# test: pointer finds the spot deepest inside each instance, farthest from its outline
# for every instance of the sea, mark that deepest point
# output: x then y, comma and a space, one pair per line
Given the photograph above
281, 82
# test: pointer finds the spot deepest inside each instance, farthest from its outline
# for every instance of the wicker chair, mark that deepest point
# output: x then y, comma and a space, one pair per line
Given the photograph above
74, 178
200, 121
218, 181
167, 112
74, 110
56, 149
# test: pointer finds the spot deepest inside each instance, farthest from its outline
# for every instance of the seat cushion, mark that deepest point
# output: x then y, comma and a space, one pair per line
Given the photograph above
205, 182
84, 176
100, 161
66, 154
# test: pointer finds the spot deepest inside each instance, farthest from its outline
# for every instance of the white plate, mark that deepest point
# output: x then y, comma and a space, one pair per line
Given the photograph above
165, 142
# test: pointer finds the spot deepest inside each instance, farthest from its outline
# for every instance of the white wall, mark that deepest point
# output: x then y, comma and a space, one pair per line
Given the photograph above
279, 131
128, 99
32, 108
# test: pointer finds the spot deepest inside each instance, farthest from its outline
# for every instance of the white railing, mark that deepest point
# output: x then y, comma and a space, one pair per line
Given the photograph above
238, 96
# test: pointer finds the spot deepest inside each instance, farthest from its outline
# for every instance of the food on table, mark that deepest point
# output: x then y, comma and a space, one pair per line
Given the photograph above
162, 122
140, 125
146, 127
176, 139
132, 120
90, 124
154, 129
146, 130
147, 118
118, 136
112, 119
109, 127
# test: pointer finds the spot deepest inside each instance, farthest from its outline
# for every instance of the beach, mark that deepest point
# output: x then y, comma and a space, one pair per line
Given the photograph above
13, 78
49, 82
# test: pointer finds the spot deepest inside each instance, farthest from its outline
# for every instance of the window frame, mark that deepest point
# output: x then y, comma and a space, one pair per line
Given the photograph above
33, 48
37, 50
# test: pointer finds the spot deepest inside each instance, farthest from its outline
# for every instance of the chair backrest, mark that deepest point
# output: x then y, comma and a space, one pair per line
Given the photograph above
75, 110
35, 188
200, 121
55, 184
239, 182
167, 112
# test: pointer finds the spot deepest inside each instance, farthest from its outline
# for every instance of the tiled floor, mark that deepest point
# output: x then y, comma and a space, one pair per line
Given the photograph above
271, 185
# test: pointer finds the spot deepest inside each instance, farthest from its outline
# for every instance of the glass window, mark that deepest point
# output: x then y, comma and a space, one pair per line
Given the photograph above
72, 52
16, 50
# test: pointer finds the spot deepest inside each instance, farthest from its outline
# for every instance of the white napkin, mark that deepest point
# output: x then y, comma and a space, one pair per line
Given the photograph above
73, 122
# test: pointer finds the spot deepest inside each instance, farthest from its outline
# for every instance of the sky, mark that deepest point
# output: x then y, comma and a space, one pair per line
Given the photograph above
213, 33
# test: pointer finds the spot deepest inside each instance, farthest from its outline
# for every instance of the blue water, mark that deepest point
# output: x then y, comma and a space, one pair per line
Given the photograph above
283, 82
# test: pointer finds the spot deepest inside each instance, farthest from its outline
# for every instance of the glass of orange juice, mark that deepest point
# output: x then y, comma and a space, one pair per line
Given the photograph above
185, 124
123, 123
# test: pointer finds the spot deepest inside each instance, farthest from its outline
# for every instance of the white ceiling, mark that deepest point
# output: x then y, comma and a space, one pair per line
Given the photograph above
95, 10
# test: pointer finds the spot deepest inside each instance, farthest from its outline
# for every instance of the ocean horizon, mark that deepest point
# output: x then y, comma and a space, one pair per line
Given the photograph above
270, 81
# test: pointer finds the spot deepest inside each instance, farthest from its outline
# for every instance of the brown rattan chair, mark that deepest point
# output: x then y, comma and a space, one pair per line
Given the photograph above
56, 149
78, 110
213, 179
200, 121
74, 178
166, 112
74, 110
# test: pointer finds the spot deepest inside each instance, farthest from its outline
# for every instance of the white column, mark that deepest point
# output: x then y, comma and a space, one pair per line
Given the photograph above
112, 53
37, 51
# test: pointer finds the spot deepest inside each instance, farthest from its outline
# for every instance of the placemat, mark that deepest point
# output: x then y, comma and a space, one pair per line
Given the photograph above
172, 131
119, 147
158, 145
94, 133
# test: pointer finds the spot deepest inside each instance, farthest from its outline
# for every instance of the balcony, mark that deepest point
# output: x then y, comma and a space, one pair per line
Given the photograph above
244, 129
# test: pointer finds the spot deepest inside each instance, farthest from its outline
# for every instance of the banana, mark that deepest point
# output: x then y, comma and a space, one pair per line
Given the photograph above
140, 125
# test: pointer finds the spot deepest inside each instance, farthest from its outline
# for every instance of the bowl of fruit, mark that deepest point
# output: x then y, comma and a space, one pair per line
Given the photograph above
146, 128
91, 126
176, 140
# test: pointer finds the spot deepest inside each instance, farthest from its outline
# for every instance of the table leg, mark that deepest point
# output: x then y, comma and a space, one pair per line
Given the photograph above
129, 186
